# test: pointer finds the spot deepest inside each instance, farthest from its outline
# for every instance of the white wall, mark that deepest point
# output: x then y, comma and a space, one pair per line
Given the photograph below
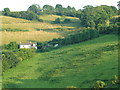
25, 46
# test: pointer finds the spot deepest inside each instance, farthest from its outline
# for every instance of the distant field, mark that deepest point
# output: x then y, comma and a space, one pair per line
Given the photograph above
75, 22
53, 17
79, 65
24, 36
16, 23
32, 26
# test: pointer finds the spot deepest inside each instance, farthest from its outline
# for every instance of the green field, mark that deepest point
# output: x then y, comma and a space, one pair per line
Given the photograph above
79, 65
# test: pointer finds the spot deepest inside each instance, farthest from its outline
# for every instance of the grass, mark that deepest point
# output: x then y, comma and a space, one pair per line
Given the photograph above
46, 30
13, 23
49, 18
25, 36
79, 65
74, 21
17, 23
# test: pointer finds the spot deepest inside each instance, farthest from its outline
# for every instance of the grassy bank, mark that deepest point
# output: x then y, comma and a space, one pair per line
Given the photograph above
79, 65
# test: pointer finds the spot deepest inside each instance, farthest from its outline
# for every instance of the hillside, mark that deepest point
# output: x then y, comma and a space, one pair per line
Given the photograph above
79, 65
17, 23
36, 30
25, 36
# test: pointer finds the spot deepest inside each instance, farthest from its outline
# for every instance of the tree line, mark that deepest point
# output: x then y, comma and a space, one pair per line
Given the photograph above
99, 17
76, 37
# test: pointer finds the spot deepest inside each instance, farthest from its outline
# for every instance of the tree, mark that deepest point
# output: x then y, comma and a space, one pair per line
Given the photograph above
88, 7
7, 11
58, 6
32, 16
118, 4
95, 16
57, 21
67, 21
11, 46
78, 13
34, 8
59, 9
47, 9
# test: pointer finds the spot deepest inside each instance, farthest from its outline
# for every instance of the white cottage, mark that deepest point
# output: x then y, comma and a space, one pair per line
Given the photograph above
28, 45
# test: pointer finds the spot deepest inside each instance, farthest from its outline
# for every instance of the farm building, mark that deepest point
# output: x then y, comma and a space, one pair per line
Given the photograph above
28, 45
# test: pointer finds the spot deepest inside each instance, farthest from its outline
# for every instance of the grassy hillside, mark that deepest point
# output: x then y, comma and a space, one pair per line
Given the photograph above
36, 29
74, 21
79, 65
53, 17
25, 36
17, 23
13, 23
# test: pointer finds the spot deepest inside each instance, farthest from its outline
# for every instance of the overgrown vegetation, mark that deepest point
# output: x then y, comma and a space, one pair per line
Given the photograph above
11, 58
12, 55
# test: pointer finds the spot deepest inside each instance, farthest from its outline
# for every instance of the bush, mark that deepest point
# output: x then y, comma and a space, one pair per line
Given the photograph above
11, 58
11, 46
113, 28
57, 21
40, 20
67, 21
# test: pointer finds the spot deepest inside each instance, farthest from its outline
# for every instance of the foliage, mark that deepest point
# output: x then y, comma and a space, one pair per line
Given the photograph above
102, 84
67, 21
11, 46
76, 37
116, 80
48, 9
113, 28
35, 8
57, 21
95, 16
7, 11
29, 14
11, 58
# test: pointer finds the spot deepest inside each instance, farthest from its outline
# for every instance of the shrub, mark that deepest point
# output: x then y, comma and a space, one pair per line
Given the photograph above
67, 21
40, 20
11, 58
11, 46
57, 21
